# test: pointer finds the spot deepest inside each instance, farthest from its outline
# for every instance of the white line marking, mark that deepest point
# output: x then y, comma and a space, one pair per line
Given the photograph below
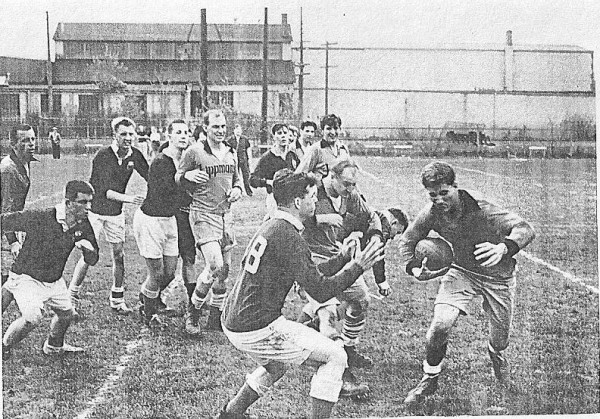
112, 379
532, 258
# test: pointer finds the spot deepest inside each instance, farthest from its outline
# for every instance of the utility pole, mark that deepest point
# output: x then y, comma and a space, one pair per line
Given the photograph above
265, 80
203, 60
301, 75
49, 68
327, 67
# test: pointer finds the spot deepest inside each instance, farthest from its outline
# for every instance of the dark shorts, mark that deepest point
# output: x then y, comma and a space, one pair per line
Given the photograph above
185, 241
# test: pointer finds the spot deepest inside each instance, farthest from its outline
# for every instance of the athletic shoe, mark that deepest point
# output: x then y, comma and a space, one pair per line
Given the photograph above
500, 365
356, 359
121, 308
192, 320
5, 352
161, 307
59, 350
214, 320
223, 414
351, 387
427, 386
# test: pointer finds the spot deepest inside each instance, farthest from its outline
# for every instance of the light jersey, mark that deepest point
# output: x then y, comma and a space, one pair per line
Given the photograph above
321, 156
276, 257
210, 197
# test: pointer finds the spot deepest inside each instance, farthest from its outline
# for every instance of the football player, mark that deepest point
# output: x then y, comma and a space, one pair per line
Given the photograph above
485, 239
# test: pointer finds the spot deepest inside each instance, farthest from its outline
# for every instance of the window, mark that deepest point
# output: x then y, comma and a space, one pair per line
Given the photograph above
116, 50
221, 51
164, 50
89, 105
275, 51
74, 49
56, 103
9, 107
249, 51
221, 98
96, 50
140, 50
285, 105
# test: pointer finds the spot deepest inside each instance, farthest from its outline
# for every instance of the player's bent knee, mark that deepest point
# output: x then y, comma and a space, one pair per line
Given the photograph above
260, 381
32, 316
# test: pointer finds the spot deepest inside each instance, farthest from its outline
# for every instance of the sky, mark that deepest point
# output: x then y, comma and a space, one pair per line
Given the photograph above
374, 23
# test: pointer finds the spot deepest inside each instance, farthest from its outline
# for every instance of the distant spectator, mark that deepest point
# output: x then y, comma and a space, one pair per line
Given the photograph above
54, 138
241, 143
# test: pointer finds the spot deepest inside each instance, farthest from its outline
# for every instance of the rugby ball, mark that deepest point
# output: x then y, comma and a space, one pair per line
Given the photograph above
438, 252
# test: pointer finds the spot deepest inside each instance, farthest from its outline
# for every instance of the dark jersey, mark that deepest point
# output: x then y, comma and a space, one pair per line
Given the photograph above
276, 257
108, 174
265, 169
164, 196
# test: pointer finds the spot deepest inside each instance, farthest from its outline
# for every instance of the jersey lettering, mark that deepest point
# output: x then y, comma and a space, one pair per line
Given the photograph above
255, 253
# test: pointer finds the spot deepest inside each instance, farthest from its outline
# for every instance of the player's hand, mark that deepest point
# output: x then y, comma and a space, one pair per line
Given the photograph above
196, 176
372, 254
334, 220
15, 248
384, 288
138, 199
84, 244
349, 246
269, 182
490, 254
234, 194
422, 273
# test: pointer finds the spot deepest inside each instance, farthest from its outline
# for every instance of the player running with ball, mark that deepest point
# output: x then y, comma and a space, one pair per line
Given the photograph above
485, 239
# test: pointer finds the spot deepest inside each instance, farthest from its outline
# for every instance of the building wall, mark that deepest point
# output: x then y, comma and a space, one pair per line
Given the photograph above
382, 113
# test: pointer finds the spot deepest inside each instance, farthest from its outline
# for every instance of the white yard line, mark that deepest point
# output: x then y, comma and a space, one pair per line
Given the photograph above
526, 255
111, 381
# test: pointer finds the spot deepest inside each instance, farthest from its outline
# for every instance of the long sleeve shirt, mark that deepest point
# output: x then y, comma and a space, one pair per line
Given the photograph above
48, 242
111, 173
164, 197
323, 239
210, 197
265, 169
479, 222
276, 257
14, 178
320, 156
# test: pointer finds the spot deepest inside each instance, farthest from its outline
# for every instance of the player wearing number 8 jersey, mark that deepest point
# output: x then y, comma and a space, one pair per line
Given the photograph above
276, 257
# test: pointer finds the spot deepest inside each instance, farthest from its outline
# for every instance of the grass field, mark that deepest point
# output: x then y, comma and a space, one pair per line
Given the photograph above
130, 372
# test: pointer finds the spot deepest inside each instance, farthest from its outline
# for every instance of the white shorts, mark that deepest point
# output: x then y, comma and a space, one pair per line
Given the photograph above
31, 295
112, 225
155, 236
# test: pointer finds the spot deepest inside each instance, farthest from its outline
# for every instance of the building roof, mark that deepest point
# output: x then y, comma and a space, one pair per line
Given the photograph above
23, 70
169, 32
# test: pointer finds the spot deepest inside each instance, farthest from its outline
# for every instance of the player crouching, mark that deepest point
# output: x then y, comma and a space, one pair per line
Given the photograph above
36, 278
276, 257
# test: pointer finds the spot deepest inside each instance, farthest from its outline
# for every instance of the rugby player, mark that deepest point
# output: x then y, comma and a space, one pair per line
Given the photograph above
485, 239
209, 169
339, 199
321, 155
112, 168
154, 223
35, 278
276, 257
242, 145
14, 176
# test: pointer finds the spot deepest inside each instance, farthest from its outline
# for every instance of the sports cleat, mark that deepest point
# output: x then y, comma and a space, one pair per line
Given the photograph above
427, 386
60, 350
351, 387
214, 320
192, 320
356, 359
223, 414
500, 365
121, 309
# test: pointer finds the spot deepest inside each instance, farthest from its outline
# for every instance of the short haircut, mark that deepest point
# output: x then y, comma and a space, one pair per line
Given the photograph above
288, 186
199, 130
339, 166
308, 124
332, 120
437, 173
175, 121
75, 187
294, 129
14, 136
211, 112
121, 120
399, 215
277, 127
